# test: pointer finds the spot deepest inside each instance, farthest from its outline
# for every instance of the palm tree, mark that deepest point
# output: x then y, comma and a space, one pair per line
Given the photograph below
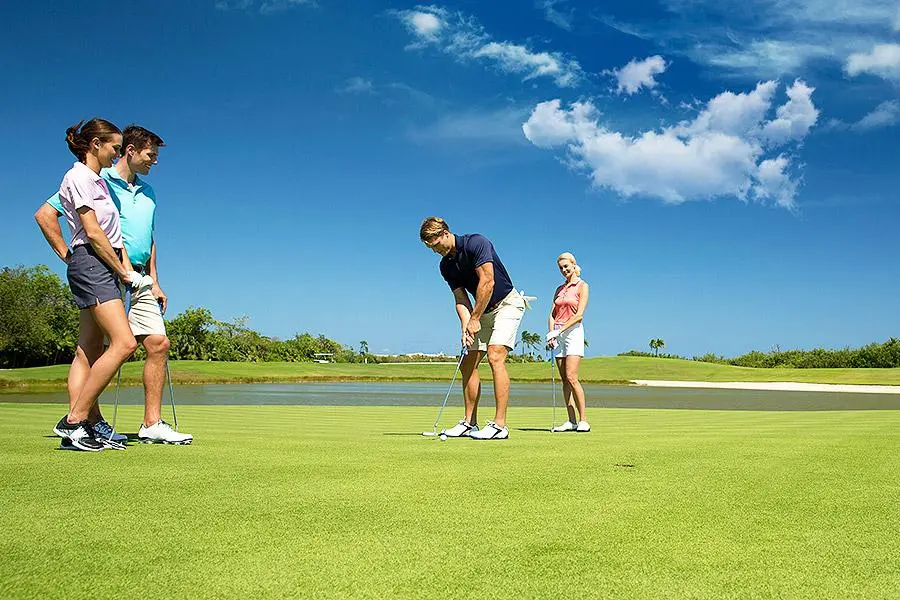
363, 347
656, 344
532, 340
522, 342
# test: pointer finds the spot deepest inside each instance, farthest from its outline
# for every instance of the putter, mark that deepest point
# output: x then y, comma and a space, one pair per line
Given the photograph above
109, 441
433, 432
171, 394
553, 384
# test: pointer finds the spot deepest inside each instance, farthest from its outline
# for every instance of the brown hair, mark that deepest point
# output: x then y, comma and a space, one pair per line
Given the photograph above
140, 138
79, 136
431, 228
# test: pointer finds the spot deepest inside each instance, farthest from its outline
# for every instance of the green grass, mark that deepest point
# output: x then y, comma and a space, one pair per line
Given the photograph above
320, 502
616, 369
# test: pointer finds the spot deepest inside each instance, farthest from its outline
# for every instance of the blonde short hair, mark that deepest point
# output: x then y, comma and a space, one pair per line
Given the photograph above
570, 257
431, 228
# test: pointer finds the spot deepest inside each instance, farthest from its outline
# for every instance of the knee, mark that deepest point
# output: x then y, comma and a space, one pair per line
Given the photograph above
157, 346
126, 346
571, 377
496, 356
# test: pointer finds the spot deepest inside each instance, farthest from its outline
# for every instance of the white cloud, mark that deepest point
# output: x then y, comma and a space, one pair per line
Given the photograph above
724, 151
883, 60
884, 115
358, 85
637, 74
463, 38
561, 19
768, 38
266, 7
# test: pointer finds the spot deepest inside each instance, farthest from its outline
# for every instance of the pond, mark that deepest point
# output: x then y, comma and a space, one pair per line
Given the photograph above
522, 394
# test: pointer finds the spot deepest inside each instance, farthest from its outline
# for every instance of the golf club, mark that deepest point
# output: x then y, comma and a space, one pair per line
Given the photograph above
553, 384
109, 441
171, 394
433, 432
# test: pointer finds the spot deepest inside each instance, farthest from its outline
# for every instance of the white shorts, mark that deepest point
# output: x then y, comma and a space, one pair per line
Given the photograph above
570, 342
500, 326
145, 316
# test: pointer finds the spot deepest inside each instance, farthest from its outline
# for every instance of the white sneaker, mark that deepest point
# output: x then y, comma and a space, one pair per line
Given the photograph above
567, 426
491, 432
106, 431
583, 427
461, 429
162, 433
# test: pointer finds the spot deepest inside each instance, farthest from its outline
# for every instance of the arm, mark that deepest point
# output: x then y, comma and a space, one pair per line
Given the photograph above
482, 296
463, 311
101, 245
156, 290
47, 219
578, 317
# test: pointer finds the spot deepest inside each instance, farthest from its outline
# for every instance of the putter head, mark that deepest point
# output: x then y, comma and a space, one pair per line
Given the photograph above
430, 433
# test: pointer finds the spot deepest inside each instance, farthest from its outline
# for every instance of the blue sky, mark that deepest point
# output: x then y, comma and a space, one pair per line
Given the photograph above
725, 172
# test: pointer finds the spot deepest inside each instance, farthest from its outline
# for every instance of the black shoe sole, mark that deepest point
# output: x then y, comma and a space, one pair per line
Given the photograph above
67, 444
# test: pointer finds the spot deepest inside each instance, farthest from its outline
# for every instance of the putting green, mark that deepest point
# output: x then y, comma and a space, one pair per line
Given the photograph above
341, 502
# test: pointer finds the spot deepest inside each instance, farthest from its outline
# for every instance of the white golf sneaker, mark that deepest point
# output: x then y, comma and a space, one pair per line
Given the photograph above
461, 429
162, 433
491, 432
567, 426
583, 427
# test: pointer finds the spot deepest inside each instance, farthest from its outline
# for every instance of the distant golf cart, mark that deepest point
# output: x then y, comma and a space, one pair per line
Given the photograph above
323, 357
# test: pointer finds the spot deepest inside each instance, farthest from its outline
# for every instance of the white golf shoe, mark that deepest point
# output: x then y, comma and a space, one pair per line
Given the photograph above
567, 426
461, 429
162, 433
491, 432
583, 427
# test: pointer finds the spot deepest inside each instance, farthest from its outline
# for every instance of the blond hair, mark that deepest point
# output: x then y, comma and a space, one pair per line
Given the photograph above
570, 257
431, 228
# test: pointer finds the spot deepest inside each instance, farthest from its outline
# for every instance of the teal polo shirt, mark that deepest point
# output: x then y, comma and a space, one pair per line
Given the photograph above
137, 213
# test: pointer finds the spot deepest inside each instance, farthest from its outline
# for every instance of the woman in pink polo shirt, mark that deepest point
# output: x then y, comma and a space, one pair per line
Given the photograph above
96, 264
567, 337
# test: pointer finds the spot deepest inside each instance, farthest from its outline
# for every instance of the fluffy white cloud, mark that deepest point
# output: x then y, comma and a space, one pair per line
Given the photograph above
425, 25
462, 37
883, 60
639, 73
724, 151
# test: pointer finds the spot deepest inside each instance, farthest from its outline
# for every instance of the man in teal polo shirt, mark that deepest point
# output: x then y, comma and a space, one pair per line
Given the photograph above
137, 209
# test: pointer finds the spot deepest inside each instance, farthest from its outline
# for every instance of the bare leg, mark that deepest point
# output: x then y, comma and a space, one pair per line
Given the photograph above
471, 384
87, 351
572, 364
154, 375
110, 316
497, 359
567, 390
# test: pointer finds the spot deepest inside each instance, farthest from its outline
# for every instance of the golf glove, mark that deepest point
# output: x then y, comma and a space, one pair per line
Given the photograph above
552, 335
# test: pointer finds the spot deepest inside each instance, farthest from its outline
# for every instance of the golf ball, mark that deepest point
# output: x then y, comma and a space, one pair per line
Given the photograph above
443, 437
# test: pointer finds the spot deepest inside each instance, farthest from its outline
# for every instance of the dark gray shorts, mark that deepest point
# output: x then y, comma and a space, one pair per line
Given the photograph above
91, 280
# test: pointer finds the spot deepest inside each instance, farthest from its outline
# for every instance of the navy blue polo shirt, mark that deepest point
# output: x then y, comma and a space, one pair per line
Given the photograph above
472, 251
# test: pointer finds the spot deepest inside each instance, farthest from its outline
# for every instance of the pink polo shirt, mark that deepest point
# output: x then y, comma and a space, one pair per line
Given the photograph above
82, 187
565, 304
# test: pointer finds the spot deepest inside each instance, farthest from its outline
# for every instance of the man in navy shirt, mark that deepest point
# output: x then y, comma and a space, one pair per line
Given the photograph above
470, 265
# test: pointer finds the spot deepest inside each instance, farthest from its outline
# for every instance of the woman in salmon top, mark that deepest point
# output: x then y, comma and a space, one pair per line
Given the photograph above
567, 336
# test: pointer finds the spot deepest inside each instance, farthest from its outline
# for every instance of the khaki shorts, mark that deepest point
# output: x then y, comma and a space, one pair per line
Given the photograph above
500, 326
145, 316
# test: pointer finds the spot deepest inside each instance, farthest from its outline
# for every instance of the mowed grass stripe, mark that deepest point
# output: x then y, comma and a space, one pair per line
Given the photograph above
276, 502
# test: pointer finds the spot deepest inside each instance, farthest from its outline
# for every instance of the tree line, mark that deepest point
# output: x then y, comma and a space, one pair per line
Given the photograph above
884, 355
39, 326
